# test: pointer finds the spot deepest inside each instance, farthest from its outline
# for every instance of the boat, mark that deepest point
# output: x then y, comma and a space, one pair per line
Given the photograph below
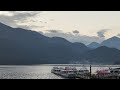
103, 72
83, 73
68, 72
56, 70
115, 70
71, 68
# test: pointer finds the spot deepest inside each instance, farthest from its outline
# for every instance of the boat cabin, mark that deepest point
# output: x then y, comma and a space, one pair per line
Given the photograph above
115, 70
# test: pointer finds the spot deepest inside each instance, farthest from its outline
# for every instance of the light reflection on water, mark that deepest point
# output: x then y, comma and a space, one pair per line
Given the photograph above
27, 72
31, 72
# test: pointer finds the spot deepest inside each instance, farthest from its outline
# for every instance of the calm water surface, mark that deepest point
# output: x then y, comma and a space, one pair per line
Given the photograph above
27, 72
31, 72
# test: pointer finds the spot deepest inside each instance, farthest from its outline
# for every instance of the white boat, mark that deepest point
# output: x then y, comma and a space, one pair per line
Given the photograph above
83, 73
56, 70
69, 72
115, 71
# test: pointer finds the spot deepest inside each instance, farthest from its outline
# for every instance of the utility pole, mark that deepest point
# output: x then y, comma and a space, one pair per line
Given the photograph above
90, 71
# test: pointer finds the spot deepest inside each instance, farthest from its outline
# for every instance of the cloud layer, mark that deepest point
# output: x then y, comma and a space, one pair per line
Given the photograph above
102, 32
29, 20
18, 18
73, 37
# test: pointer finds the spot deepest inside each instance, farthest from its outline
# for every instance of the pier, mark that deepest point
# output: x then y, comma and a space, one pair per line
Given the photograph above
103, 74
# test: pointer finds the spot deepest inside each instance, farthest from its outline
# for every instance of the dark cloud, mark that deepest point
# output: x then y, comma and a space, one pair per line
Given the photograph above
54, 31
19, 17
102, 32
75, 31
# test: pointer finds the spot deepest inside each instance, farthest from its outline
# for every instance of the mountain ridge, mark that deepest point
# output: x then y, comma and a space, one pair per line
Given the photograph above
21, 46
25, 47
102, 55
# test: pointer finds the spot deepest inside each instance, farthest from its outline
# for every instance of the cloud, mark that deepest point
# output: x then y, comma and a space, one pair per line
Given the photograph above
40, 32
51, 19
73, 38
118, 35
18, 18
7, 20
54, 31
76, 32
102, 32
21, 15
29, 20
6, 13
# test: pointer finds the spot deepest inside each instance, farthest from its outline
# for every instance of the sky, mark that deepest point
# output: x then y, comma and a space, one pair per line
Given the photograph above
75, 26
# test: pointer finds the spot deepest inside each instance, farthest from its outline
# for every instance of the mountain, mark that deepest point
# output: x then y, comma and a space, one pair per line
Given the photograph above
20, 46
93, 45
113, 42
25, 47
102, 55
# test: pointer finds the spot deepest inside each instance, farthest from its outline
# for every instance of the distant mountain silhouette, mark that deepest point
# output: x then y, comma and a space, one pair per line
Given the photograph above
20, 46
113, 42
94, 45
24, 47
102, 55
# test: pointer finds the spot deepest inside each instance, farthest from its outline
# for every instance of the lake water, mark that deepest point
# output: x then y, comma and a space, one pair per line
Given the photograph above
31, 72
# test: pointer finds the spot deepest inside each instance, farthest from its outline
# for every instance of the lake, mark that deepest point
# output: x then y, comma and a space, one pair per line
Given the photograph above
33, 71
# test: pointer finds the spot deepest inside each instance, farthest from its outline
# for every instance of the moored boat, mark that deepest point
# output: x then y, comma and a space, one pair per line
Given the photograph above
83, 73
115, 70
56, 70
103, 72
67, 72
